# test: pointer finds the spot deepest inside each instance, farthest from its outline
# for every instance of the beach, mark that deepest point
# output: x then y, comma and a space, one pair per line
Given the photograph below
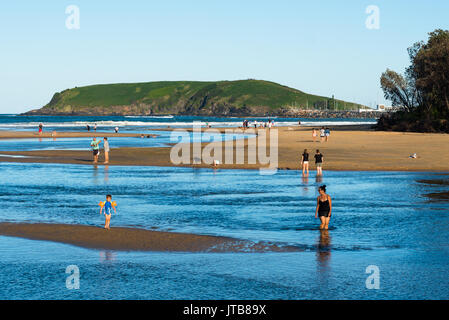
350, 148
191, 228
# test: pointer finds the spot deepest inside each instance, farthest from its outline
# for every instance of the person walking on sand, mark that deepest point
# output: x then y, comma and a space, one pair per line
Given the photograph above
323, 208
319, 159
107, 207
95, 144
305, 163
106, 150
314, 134
322, 134
327, 133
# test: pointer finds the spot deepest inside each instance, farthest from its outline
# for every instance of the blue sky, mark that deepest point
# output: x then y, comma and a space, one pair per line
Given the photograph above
320, 47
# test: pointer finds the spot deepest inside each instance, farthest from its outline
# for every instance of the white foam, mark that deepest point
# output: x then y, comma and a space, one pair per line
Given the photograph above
175, 124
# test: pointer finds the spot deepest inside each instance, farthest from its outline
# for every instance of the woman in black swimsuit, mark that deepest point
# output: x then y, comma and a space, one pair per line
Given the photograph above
323, 208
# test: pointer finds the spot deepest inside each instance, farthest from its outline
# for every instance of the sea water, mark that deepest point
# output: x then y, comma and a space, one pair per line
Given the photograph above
142, 123
383, 219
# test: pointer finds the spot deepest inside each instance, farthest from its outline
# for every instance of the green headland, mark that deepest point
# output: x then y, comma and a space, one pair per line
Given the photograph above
222, 98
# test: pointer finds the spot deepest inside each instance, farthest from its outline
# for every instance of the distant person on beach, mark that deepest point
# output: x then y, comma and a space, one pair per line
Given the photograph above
319, 158
95, 144
41, 128
116, 129
95, 127
107, 206
327, 133
255, 124
305, 163
322, 134
88, 127
314, 134
299, 123
106, 150
323, 208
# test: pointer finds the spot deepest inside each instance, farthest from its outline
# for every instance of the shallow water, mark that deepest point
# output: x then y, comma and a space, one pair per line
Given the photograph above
163, 139
380, 218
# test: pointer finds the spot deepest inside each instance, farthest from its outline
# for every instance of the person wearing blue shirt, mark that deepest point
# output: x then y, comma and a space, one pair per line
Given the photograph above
107, 207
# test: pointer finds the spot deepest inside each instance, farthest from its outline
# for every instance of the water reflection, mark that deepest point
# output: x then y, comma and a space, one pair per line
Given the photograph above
95, 174
107, 256
319, 179
305, 182
323, 252
106, 173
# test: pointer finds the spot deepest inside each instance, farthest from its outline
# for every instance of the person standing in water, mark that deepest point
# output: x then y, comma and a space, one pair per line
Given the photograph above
305, 163
41, 128
319, 158
323, 208
106, 150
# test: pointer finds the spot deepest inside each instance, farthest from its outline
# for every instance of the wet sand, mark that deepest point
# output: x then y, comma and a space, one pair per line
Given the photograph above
350, 148
132, 239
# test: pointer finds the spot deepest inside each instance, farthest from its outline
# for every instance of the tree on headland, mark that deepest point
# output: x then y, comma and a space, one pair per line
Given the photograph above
422, 93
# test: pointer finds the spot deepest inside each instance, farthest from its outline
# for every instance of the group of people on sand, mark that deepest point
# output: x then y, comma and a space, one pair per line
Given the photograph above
268, 124
319, 159
88, 127
323, 132
95, 145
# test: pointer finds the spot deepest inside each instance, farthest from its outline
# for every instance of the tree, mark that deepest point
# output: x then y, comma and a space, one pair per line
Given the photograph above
431, 69
400, 90
424, 88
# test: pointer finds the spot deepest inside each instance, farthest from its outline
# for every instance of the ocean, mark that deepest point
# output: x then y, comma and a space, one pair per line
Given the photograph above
137, 124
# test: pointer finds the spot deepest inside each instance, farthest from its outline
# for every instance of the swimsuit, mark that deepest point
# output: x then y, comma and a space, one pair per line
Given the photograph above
108, 208
324, 209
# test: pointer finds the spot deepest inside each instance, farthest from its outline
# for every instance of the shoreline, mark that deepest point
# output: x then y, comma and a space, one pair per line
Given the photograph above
5, 135
133, 239
350, 148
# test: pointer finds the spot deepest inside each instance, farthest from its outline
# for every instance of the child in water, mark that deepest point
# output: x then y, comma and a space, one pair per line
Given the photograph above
107, 206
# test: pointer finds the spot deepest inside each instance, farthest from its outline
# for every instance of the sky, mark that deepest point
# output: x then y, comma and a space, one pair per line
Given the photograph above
321, 47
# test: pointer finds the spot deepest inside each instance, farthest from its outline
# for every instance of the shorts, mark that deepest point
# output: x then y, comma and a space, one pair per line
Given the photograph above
323, 214
319, 164
96, 152
306, 162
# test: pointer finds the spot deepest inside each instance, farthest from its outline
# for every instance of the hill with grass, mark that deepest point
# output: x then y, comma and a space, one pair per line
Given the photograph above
223, 98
